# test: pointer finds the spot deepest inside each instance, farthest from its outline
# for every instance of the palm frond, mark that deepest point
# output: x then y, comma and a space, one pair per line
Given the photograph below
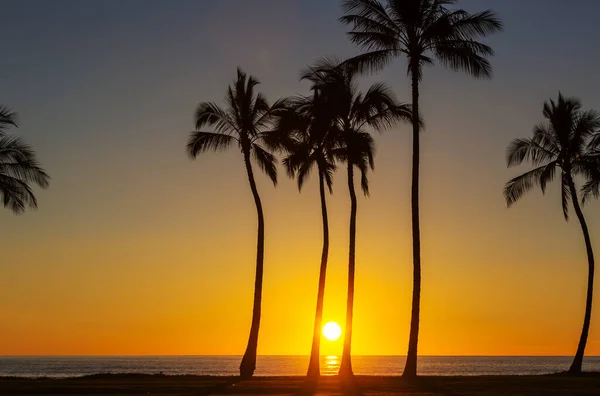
299, 153
364, 179
384, 33
371, 11
18, 160
547, 175
374, 41
590, 189
518, 186
7, 118
266, 118
589, 167
520, 150
545, 138
479, 24
266, 161
260, 107
16, 194
465, 55
200, 142
18, 168
210, 114
303, 172
372, 61
587, 125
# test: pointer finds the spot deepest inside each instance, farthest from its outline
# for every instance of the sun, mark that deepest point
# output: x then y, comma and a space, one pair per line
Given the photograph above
332, 331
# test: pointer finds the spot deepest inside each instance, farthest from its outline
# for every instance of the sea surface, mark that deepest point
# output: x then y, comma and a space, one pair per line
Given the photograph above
72, 366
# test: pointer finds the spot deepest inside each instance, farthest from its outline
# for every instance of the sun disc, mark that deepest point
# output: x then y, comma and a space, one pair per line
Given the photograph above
332, 331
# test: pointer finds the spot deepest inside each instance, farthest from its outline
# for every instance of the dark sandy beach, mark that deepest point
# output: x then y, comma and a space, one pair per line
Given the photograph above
362, 385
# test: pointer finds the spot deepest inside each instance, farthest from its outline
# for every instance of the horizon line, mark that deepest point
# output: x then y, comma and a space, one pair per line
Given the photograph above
278, 355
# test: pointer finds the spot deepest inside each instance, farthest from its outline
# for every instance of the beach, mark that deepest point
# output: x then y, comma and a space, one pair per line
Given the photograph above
133, 384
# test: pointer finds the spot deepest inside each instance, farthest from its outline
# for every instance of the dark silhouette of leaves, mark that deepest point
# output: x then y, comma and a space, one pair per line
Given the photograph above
19, 168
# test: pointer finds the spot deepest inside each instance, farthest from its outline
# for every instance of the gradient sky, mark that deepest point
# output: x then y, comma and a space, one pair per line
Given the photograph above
136, 249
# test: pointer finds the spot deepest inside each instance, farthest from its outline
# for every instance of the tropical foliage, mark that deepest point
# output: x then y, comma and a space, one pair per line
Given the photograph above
19, 168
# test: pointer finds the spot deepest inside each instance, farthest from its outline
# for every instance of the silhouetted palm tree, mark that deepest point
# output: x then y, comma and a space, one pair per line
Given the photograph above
354, 112
18, 168
308, 124
421, 31
562, 142
245, 121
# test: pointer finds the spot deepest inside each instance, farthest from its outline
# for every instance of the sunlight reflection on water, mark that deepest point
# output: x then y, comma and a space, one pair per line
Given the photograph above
330, 365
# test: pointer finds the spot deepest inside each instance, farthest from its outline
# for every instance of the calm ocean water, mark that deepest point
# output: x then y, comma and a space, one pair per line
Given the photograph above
281, 365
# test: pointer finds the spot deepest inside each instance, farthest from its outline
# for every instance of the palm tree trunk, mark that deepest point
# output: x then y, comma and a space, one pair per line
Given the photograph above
410, 369
578, 360
346, 363
313, 365
248, 363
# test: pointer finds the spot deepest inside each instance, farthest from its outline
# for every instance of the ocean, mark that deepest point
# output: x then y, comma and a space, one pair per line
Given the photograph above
73, 366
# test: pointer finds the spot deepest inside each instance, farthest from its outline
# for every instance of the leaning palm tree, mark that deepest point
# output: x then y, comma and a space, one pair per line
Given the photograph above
245, 121
563, 142
353, 113
421, 31
19, 168
311, 140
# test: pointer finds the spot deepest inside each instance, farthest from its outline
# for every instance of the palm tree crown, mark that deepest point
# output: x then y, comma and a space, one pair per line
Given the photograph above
353, 112
567, 141
246, 122
18, 168
305, 130
421, 30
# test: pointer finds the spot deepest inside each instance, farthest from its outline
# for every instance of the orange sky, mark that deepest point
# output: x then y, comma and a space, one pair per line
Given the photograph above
138, 250
516, 288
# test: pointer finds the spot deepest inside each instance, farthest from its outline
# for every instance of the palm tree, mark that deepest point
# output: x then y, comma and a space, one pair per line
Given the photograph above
353, 112
18, 168
245, 121
565, 142
308, 125
421, 30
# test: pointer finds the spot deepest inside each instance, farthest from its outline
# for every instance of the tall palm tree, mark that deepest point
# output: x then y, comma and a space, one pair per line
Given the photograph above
307, 123
562, 142
246, 121
18, 168
353, 113
421, 31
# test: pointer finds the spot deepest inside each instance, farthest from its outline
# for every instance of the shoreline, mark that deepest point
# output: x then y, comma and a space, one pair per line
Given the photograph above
156, 384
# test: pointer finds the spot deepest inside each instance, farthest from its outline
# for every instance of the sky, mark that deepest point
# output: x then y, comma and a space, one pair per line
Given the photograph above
138, 250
